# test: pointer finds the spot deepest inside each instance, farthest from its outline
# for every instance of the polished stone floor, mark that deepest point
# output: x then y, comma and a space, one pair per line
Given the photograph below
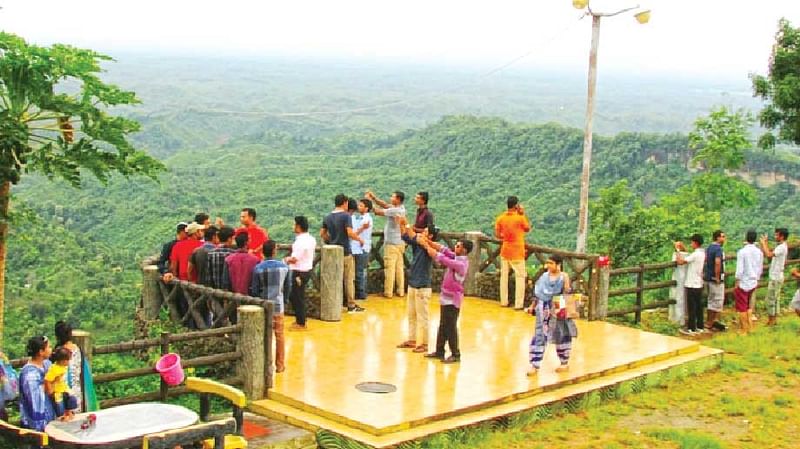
325, 363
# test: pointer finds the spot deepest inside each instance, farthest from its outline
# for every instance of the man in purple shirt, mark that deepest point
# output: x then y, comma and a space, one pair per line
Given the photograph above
451, 296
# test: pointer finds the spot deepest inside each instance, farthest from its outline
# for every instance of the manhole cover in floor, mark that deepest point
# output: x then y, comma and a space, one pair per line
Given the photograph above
376, 387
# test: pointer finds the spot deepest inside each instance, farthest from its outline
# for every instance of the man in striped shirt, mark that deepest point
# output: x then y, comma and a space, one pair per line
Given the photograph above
270, 281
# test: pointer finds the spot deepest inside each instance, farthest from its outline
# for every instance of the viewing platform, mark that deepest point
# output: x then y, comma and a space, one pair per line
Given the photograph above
318, 389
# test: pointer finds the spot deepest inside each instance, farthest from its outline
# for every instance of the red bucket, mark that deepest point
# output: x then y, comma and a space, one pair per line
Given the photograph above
169, 367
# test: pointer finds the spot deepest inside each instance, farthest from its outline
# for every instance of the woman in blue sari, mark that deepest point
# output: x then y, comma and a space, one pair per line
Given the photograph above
35, 407
551, 325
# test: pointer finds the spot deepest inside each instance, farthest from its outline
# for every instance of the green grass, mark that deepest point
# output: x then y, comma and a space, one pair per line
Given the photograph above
686, 440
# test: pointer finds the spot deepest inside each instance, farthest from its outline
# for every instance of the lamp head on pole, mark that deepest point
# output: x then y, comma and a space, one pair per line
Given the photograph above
580, 4
642, 17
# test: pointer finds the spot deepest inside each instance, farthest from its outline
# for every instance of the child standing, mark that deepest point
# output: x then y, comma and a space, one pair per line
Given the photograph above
451, 297
55, 382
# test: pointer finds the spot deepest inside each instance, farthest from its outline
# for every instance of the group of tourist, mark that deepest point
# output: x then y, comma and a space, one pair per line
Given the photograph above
706, 267
242, 260
50, 385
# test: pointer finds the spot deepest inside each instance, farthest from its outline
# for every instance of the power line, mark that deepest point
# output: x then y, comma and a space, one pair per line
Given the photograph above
390, 104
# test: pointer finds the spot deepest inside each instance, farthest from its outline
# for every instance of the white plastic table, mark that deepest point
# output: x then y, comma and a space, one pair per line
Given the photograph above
122, 423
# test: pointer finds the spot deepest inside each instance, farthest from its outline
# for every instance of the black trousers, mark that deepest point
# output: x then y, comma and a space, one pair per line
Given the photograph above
694, 308
448, 330
298, 295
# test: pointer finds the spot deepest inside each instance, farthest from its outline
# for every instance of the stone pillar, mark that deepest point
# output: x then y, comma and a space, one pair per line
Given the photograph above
331, 288
251, 345
471, 282
151, 294
601, 307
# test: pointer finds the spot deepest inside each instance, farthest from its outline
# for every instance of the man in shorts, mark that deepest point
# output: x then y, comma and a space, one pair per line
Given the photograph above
714, 277
749, 263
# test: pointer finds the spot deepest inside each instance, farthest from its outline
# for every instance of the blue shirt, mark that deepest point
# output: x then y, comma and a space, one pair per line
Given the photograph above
270, 281
714, 251
366, 234
419, 273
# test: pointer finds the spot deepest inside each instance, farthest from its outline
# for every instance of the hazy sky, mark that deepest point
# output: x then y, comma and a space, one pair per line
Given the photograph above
710, 37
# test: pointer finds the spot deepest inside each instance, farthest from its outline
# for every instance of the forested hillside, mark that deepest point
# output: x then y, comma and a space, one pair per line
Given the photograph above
74, 253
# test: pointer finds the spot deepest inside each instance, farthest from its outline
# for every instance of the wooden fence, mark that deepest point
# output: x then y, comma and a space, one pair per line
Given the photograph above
661, 270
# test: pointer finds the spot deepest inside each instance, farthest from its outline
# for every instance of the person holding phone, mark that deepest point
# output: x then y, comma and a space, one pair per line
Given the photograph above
511, 227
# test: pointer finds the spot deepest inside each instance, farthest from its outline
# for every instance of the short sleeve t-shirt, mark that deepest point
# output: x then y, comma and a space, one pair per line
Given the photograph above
56, 370
713, 252
694, 269
511, 227
391, 232
778, 262
336, 224
181, 253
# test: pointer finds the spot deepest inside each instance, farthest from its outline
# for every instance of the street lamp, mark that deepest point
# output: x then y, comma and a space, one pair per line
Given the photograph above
583, 214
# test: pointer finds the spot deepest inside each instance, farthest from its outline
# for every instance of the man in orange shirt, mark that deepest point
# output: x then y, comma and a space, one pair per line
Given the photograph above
511, 227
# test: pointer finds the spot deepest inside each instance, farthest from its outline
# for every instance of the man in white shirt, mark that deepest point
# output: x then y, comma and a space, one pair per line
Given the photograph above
776, 268
693, 283
362, 225
749, 264
301, 261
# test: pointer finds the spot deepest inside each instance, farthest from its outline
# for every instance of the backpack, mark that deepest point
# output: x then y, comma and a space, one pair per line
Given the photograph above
9, 380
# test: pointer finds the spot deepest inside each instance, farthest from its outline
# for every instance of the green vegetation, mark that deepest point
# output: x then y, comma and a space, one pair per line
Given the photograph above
54, 121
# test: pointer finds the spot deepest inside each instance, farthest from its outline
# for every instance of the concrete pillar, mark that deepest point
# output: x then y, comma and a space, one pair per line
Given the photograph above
251, 345
331, 289
471, 282
151, 294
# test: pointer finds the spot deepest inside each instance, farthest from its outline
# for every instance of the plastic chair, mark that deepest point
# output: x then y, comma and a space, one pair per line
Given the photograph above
207, 387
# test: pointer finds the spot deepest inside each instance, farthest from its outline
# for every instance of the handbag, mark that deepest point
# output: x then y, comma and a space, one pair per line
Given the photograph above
9, 390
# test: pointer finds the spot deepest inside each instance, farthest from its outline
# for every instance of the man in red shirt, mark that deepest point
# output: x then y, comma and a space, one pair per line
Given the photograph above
182, 251
256, 235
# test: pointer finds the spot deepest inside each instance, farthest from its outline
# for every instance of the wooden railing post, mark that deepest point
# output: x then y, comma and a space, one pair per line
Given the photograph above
251, 345
331, 283
601, 303
84, 341
639, 293
471, 282
151, 293
164, 388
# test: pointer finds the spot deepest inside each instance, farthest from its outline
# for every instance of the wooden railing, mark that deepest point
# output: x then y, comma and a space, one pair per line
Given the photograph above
660, 270
581, 268
164, 343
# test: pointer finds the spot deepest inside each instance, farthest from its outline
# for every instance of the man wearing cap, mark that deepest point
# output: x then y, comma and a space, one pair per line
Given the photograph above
182, 251
166, 252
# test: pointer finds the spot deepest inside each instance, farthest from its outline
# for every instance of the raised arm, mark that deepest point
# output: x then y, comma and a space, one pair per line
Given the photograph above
378, 201
765, 247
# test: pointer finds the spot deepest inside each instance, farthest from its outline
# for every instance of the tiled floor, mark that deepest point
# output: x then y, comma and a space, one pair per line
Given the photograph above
325, 363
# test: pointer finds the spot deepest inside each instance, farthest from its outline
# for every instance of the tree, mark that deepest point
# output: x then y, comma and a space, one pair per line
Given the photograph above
55, 120
780, 89
719, 141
